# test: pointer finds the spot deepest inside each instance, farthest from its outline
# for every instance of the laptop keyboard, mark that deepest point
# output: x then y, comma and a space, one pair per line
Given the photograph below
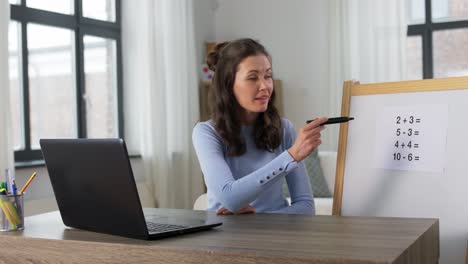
161, 228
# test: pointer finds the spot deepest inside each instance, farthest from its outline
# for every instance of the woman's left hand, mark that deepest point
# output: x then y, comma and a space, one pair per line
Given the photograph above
246, 210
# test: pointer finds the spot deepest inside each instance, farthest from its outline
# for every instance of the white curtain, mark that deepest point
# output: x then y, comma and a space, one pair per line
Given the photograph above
367, 43
6, 147
162, 88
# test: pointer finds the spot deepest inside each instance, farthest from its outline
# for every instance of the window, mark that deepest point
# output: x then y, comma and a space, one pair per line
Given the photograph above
437, 38
65, 71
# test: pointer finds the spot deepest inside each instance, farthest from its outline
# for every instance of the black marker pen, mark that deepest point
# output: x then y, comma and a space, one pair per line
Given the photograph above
334, 120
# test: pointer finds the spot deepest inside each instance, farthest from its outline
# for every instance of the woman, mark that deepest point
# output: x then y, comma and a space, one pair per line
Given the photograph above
246, 149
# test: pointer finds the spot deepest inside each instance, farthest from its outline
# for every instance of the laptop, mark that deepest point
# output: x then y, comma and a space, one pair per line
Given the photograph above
95, 190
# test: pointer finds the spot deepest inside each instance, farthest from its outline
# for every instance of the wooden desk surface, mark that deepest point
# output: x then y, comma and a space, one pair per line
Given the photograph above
256, 238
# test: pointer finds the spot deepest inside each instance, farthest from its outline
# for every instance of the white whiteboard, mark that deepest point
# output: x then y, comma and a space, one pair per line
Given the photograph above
370, 189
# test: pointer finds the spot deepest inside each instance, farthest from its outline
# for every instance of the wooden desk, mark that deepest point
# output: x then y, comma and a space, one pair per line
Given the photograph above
256, 238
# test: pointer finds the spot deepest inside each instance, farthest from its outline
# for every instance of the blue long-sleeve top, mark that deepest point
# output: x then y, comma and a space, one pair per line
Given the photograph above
254, 178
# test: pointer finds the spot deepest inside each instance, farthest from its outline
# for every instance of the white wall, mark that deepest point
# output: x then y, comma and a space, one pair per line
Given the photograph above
295, 33
204, 11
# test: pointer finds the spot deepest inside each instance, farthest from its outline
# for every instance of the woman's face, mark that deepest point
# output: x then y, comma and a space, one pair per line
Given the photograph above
253, 86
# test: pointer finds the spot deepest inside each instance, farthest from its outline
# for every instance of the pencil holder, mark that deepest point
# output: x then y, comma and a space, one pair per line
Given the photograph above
11, 212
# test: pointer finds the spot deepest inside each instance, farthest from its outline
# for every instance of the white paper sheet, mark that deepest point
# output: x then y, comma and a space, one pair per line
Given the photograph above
412, 138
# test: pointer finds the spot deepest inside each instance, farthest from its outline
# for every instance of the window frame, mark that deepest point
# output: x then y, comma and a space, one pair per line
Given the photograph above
80, 26
425, 31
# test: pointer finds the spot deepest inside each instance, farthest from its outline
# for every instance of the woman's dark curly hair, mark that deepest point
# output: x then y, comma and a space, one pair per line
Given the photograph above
224, 60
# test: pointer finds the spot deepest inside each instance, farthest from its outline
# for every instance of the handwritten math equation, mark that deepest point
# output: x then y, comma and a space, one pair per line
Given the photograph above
406, 138
411, 137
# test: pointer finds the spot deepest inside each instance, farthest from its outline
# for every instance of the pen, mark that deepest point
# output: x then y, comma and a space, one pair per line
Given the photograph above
28, 182
17, 200
3, 185
334, 120
9, 177
7, 180
13, 187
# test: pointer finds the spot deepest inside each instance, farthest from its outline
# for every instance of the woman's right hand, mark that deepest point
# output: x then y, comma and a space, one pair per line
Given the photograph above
307, 140
246, 210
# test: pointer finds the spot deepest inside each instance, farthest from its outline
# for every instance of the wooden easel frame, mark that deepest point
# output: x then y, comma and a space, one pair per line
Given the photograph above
354, 88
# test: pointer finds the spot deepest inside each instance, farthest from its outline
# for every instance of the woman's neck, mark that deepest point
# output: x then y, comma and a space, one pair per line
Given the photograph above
248, 118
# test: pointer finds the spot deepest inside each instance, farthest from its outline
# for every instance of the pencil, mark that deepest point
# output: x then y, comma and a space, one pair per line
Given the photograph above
9, 211
27, 183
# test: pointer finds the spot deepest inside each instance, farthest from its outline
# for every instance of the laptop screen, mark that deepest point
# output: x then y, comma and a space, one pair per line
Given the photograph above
94, 185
